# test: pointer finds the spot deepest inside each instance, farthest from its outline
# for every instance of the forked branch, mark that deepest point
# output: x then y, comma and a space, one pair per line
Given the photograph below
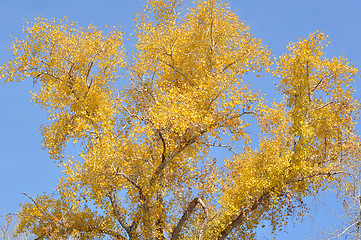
118, 214
192, 205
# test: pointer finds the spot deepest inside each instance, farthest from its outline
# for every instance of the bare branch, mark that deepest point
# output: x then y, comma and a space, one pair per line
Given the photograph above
205, 222
88, 72
135, 184
142, 197
164, 145
37, 206
228, 65
221, 145
344, 231
319, 82
117, 212
325, 105
86, 79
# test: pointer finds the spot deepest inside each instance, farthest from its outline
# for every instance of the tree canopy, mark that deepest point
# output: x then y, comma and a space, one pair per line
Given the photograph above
147, 124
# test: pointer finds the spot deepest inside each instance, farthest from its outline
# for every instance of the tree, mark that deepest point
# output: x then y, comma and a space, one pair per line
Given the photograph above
146, 168
7, 224
348, 221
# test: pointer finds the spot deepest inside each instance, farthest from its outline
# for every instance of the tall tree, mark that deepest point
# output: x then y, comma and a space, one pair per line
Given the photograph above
146, 169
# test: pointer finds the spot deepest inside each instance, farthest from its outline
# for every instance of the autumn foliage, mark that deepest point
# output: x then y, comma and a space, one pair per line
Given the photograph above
149, 125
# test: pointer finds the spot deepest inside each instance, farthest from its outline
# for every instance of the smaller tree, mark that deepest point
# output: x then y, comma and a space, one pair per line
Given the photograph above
5, 228
8, 223
348, 224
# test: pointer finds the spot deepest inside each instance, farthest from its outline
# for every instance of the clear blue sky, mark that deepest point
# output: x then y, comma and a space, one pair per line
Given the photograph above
25, 167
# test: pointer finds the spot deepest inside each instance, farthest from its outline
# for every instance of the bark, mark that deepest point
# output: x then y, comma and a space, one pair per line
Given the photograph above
242, 216
192, 205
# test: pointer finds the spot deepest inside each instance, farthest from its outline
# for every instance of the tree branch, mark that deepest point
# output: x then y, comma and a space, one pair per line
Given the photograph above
343, 232
118, 214
164, 145
135, 184
187, 214
37, 206
242, 216
180, 72
170, 157
205, 220
228, 65
90, 229
329, 174
257, 202
221, 145
142, 197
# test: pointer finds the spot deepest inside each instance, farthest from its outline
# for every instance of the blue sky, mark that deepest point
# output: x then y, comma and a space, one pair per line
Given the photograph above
25, 167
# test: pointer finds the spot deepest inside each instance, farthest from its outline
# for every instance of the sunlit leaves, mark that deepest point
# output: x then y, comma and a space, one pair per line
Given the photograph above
147, 166
76, 69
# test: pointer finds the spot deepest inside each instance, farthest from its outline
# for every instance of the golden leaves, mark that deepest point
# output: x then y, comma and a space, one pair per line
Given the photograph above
76, 69
147, 149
